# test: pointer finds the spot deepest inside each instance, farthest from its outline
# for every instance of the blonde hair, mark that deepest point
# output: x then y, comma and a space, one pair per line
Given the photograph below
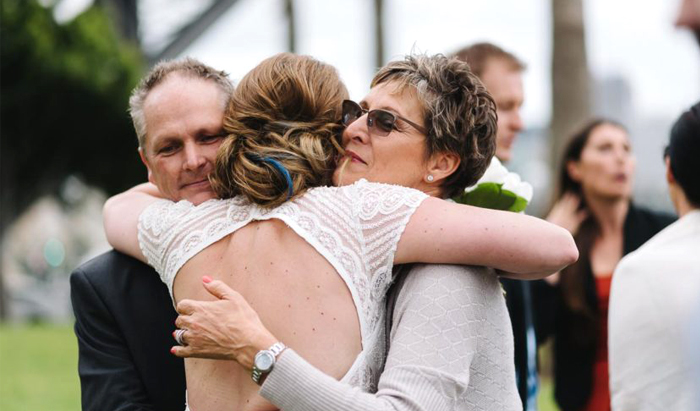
458, 112
286, 111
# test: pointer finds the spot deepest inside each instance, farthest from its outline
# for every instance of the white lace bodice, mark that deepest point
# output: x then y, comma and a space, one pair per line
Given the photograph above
356, 228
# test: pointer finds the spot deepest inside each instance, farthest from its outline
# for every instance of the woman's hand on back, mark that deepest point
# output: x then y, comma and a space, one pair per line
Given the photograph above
227, 328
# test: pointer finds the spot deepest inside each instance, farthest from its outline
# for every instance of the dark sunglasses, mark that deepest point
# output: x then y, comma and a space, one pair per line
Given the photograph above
381, 122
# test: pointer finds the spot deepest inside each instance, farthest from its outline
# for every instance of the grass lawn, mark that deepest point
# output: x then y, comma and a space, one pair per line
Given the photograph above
38, 368
545, 400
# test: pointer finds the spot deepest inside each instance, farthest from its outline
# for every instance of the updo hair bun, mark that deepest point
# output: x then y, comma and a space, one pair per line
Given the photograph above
285, 112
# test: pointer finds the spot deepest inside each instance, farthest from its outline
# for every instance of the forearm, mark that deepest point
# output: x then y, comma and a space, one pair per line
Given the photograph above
120, 218
546, 275
442, 232
296, 385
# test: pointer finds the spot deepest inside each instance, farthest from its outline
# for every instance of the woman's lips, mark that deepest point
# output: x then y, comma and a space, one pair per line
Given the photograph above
197, 184
621, 178
354, 157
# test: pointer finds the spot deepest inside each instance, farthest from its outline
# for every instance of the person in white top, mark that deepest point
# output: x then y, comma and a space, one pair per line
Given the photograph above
655, 291
279, 226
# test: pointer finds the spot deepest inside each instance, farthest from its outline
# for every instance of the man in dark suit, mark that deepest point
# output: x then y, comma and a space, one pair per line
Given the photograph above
124, 314
501, 73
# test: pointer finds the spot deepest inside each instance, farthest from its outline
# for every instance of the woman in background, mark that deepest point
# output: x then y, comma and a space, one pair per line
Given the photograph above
594, 204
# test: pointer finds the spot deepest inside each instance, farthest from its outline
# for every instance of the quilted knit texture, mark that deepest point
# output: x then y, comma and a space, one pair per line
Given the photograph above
356, 228
451, 349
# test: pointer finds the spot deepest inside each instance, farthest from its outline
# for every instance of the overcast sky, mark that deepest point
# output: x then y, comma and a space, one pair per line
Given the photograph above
631, 39
627, 38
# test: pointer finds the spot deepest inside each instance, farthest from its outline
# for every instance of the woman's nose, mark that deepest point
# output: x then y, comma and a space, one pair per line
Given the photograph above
357, 131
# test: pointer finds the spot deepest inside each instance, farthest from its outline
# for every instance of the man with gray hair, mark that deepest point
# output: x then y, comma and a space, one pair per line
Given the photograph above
123, 314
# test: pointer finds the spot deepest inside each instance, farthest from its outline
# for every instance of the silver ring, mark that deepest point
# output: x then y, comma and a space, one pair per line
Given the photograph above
178, 336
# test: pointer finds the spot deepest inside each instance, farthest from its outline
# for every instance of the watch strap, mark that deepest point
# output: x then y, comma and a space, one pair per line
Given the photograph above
257, 374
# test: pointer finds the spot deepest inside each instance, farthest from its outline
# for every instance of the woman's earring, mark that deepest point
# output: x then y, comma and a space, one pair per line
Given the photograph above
430, 178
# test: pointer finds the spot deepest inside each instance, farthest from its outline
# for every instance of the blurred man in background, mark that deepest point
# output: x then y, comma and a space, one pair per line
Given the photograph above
124, 317
655, 294
689, 17
501, 73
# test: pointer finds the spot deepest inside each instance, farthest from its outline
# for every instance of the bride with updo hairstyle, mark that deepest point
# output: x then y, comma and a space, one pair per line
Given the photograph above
313, 261
278, 120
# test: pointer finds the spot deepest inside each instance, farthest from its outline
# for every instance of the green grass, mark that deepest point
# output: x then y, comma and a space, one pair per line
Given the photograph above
545, 399
38, 368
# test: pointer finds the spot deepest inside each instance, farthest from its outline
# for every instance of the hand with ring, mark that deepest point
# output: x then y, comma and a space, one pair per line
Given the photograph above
227, 328
179, 334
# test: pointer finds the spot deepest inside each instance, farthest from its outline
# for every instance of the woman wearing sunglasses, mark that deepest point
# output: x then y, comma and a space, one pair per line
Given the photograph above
314, 262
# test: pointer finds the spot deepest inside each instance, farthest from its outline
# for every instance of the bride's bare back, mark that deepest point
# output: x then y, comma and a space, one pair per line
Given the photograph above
299, 296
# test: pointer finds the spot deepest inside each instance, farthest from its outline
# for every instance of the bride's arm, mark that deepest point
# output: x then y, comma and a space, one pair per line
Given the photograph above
445, 232
121, 215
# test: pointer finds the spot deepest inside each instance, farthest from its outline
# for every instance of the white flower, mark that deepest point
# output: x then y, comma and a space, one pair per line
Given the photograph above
498, 189
520, 188
496, 173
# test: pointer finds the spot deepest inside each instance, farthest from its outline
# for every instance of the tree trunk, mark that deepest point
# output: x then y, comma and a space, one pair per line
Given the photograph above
125, 15
291, 27
570, 77
379, 33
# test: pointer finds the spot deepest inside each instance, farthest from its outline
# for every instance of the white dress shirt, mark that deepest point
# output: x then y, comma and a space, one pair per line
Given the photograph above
654, 294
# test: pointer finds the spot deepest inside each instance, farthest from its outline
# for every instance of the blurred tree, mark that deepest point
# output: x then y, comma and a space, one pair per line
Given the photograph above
570, 75
379, 58
64, 95
291, 26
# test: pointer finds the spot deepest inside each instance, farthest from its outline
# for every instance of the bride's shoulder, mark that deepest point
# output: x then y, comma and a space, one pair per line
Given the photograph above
367, 194
363, 185
184, 209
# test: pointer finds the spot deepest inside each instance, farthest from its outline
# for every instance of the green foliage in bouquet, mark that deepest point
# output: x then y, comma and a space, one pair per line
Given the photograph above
493, 196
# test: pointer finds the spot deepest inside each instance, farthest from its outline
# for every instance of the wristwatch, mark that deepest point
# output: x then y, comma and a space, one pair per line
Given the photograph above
265, 361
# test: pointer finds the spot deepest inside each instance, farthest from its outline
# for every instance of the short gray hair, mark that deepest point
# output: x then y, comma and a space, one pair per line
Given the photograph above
188, 67
458, 112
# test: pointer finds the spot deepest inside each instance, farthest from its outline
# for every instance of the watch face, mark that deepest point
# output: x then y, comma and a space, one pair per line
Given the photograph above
264, 361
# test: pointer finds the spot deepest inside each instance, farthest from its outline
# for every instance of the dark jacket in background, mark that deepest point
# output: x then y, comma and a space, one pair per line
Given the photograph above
124, 320
574, 354
516, 303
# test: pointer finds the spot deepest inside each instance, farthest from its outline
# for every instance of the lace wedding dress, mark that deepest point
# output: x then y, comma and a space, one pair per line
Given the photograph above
356, 228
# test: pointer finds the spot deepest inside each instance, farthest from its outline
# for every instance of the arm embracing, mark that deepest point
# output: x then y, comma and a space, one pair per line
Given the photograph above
444, 232
121, 216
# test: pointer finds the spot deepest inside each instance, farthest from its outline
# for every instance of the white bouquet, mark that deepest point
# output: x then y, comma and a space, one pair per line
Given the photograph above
498, 189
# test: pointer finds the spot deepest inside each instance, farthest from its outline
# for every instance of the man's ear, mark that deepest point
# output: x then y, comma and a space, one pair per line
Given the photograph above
670, 179
442, 165
144, 160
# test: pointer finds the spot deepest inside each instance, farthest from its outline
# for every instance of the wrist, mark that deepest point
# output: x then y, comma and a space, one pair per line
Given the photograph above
265, 361
260, 343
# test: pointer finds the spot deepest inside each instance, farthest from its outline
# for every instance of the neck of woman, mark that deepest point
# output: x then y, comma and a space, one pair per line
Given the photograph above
609, 212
